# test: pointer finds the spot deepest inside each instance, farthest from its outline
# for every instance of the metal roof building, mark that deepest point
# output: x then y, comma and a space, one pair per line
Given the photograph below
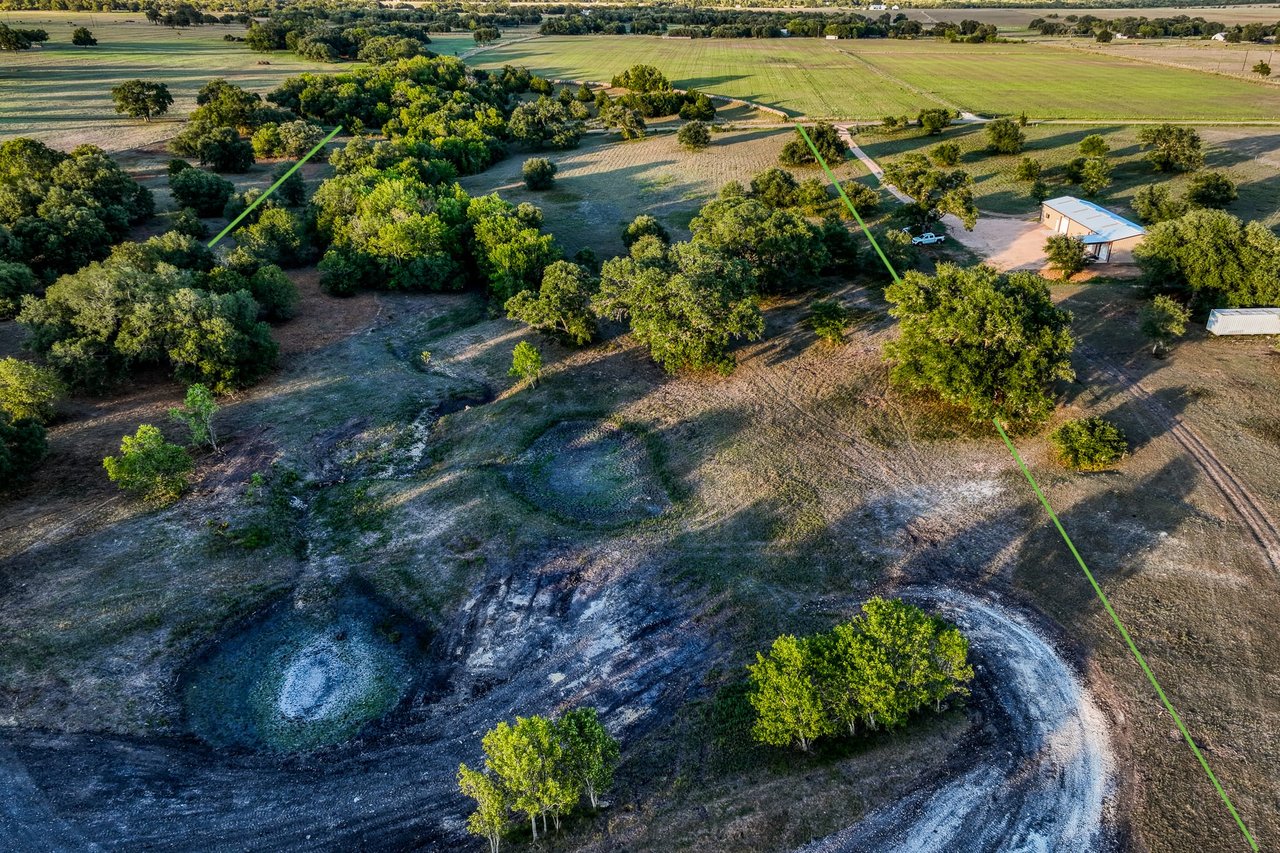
1108, 236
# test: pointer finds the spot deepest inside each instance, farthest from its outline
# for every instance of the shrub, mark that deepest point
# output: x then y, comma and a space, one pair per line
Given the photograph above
539, 173
812, 196
934, 121
697, 107
1028, 169
1066, 254
82, 37
775, 188
695, 136
186, 221
1162, 321
1094, 145
865, 199
1089, 444
526, 362
196, 412
202, 191
222, 150
1154, 203
945, 153
293, 190
644, 225
829, 320
28, 391
825, 138
149, 467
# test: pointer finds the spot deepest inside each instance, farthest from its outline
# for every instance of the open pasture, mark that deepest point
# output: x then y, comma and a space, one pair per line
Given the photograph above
1215, 57
868, 79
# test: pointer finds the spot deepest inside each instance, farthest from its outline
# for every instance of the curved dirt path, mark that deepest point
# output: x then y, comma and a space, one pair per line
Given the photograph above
1047, 783
1247, 507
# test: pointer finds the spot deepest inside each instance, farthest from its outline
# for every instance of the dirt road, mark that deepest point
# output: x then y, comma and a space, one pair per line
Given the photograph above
1046, 786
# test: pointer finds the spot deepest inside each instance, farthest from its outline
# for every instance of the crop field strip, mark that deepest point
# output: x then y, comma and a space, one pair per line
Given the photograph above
801, 75
1097, 588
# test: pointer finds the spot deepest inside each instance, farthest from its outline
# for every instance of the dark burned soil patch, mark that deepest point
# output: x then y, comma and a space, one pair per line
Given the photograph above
297, 677
592, 472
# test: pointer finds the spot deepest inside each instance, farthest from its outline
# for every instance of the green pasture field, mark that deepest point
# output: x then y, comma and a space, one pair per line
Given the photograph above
1250, 157
62, 94
866, 79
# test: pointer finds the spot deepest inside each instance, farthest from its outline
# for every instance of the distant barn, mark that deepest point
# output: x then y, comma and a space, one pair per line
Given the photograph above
1244, 321
1107, 236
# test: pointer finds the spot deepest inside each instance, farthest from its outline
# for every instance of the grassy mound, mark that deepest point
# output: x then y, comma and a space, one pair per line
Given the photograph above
592, 472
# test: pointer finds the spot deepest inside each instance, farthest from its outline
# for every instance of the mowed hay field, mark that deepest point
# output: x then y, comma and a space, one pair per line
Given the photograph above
61, 94
1215, 57
604, 184
1249, 156
868, 79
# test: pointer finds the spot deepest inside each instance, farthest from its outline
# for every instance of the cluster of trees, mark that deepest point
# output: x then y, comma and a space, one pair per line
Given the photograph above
876, 670
934, 192
989, 342
538, 767
12, 38
156, 470
1156, 203
1139, 26
651, 95
58, 212
224, 115
1213, 259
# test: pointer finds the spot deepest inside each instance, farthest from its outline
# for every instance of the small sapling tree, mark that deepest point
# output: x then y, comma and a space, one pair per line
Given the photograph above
1066, 254
526, 363
1089, 444
149, 467
196, 412
1162, 321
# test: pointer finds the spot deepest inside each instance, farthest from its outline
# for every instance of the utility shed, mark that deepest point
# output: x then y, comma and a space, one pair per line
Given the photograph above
1107, 236
1244, 321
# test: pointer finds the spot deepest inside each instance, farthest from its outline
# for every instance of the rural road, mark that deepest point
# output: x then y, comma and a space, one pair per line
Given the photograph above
1045, 784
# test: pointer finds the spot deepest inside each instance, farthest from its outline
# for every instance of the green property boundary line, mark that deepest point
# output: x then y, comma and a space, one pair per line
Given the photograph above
260, 199
1124, 633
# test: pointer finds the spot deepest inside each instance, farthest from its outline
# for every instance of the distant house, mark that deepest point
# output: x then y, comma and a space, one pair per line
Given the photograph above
1244, 321
878, 7
1107, 236
1219, 36
833, 38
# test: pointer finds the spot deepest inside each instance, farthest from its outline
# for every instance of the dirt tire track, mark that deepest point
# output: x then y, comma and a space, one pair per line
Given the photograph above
1247, 507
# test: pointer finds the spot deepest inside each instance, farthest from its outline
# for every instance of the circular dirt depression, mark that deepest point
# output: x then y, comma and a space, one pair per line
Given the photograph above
300, 679
593, 472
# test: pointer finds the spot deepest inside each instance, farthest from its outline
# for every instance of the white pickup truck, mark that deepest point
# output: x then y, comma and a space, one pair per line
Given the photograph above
928, 238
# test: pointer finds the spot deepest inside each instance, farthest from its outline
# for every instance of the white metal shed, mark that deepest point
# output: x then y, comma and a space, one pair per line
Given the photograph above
1244, 321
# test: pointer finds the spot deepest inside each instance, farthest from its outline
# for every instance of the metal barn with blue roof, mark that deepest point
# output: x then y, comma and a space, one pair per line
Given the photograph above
1108, 236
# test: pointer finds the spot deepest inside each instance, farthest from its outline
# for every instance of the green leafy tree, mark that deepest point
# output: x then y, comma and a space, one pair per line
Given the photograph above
22, 446
829, 320
562, 305
222, 150
81, 37
812, 196
526, 363
1211, 189
697, 107
1094, 145
1154, 203
686, 304
945, 153
644, 225
1262, 69
1028, 169
990, 342
866, 200
583, 95
694, 135
1172, 147
589, 752
825, 138
1104, 35
511, 253
150, 468
785, 696
203, 192
934, 121
486, 35
1004, 137
196, 412
539, 173
1215, 256
141, 99
1089, 444
28, 391
775, 188
626, 120
1066, 254
1162, 321
784, 249
525, 760
490, 819
1095, 176
545, 122
934, 191
642, 78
